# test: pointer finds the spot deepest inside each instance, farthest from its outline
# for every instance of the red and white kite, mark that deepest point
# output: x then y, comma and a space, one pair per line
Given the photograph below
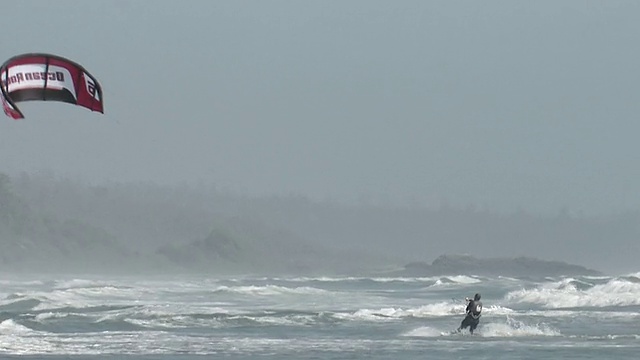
47, 77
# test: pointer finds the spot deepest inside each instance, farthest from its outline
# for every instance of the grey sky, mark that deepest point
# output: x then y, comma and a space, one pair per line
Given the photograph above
498, 104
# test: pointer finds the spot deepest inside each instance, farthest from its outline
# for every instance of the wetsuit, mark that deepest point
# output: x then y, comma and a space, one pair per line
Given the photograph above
473, 310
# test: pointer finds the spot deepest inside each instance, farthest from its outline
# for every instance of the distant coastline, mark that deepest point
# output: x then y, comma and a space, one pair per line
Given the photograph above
514, 267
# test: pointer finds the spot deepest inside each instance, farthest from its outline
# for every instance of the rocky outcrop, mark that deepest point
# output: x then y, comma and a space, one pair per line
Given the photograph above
513, 267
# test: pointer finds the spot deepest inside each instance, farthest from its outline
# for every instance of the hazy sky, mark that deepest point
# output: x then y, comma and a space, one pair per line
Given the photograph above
498, 104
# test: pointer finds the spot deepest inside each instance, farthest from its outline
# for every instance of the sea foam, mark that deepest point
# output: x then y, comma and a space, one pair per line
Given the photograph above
567, 294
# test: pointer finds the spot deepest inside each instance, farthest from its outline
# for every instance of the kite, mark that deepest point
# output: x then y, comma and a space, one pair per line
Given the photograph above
47, 77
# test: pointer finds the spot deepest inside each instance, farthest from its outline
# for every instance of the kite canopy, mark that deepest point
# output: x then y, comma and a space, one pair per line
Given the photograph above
47, 77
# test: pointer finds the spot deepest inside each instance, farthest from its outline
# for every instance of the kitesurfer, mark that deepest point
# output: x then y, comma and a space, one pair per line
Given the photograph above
473, 311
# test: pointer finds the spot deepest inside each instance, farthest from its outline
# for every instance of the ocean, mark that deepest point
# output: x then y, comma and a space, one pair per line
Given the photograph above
252, 317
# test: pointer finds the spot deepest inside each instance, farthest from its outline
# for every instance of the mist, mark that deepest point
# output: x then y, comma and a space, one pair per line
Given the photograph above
56, 223
385, 132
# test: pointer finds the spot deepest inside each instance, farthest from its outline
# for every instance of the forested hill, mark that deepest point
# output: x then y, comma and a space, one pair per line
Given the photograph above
49, 225
32, 239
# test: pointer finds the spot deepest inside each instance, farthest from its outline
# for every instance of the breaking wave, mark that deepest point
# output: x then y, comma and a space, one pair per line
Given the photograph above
572, 293
270, 290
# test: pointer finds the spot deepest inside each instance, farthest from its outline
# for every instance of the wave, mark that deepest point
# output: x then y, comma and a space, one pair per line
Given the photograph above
608, 337
64, 322
80, 283
633, 277
270, 290
45, 316
590, 313
456, 280
158, 320
126, 318
18, 303
10, 327
572, 293
426, 311
8, 283
463, 279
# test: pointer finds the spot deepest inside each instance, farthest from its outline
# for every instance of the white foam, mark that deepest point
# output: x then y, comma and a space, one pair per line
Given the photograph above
385, 314
601, 277
515, 328
10, 327
463, 279
311, 279
497, 310
355, 278
424, 331
270, 290
7, 283
50, 315
564, 294
634, 276
431, 310
103, 291
510, 328
600, 315
64, 298
455, 280
79, 283
402, 279
437, 309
